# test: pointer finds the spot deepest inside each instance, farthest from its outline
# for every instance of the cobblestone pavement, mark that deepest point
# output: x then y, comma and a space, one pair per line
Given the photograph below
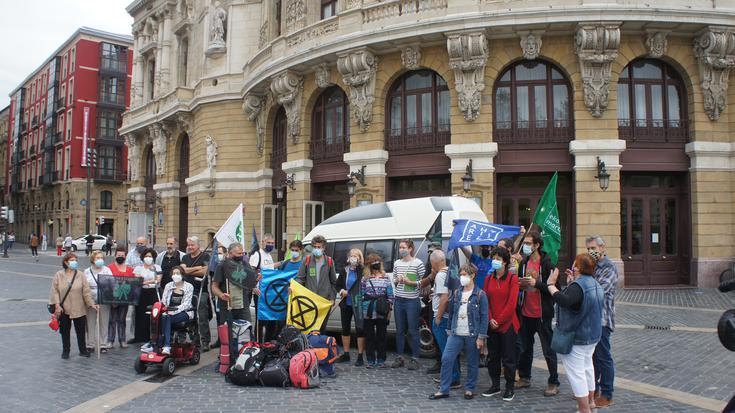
33, 378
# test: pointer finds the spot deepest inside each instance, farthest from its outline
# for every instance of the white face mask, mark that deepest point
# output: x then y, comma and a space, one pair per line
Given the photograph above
148, 260
353, 261
176, 278
465, 280
220, 257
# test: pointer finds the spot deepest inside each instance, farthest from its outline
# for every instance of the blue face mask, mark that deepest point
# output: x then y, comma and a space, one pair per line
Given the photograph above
268, 248
497, 264
99, 262
295, 255
73, 265
403, 253
527, 249
317, 252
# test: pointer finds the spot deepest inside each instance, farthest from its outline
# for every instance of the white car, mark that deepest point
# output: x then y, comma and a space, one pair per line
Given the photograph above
80, 244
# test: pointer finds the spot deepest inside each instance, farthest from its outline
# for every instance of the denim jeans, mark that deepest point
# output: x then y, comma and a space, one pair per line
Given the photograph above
166, 322
441, 336
407, 313
455, 345
529, 328
604, 364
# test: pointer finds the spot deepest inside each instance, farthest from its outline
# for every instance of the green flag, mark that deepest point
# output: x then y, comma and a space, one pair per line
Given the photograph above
288, 254
435, 232
547, 218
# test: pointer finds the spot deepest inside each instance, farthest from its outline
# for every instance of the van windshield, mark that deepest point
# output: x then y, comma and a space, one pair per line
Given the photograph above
360, 214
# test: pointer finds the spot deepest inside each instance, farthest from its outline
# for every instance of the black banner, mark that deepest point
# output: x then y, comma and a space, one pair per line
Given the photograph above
119, 290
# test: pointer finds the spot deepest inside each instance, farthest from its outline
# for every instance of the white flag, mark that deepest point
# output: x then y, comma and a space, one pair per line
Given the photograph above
231, 231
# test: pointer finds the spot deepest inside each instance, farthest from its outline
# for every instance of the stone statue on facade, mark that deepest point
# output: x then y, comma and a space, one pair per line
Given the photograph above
211, 153
217, 31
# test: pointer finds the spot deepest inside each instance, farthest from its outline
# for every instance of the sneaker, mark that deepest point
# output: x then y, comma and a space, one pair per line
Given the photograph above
65, 355
435, 369
551, 390
493, 391
146, 348
359, 362
85, 354
603, 401
332, 375
166, 350
108, 345
508, 395
413, 364
455, 385
343, 358
123, 344
205, 348
370, 364
523, 383
381, 365
398, 362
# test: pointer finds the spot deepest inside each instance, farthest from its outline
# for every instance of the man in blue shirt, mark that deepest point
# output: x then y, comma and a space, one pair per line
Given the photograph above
483, 261
297, 257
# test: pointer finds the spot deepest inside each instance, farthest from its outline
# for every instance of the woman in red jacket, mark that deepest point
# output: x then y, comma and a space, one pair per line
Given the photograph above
501, 288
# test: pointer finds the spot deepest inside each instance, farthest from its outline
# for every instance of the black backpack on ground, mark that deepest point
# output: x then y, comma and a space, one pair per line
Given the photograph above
275, 373
292, 341
249, 364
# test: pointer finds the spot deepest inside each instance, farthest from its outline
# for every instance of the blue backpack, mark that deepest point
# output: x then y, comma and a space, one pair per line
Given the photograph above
326, 350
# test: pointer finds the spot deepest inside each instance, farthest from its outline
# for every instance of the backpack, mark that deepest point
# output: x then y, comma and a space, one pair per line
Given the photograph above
330, 263
325, 348
292, 341
224, 349
246, 370
242, 333
275, 373
303, 370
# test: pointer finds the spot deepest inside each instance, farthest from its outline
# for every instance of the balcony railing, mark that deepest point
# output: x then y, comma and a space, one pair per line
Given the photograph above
536, 132
114, 66
24, 127
419, 140
323, 151
112, 98
54, 176
60, 103
34, 122
278, 157
653, 130
32, 150
394, 8
29, 184
46, 180
109, 175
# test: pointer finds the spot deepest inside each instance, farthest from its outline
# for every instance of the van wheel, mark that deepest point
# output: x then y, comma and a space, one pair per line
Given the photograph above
426, 341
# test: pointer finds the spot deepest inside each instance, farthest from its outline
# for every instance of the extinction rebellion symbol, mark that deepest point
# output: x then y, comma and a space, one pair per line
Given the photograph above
303, 313
276, 295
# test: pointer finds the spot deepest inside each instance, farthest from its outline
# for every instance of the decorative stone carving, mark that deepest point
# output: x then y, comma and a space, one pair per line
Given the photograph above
411, 57
287, 87
323, 76
596, 46
159, 136
211, 153
185, 122
468, 53
295, 15
263, 35
656, 43
312, 33
254, 105
353, 4
217, 31
715, 52
133, 156
358, 68
530, 44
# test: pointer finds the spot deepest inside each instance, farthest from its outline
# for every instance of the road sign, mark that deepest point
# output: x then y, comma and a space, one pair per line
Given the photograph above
83, 202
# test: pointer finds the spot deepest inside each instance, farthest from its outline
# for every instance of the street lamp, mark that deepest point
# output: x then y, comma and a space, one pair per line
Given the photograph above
358, 175
602, 175
467, 179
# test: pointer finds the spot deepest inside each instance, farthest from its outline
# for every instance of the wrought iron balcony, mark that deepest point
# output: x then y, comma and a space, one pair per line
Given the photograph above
653, 130
110, 175
320, 150
418, 140
535, 132
60, 103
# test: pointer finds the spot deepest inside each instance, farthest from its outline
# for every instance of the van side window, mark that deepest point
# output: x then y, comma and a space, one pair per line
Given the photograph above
386, 251
341, 249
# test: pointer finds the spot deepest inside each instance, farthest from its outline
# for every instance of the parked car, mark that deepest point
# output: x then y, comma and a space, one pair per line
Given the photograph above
379, 228
80, 244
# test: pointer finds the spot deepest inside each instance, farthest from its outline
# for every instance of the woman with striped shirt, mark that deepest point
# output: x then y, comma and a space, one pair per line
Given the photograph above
407, 273
374, 286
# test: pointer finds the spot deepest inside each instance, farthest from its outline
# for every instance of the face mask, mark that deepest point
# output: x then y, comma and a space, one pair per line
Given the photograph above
148, 260
99, 262
295, 255
375, 265
140, 248
485, 253
403, 253
353, 261
73, 265
176, 277
465, 280
119, 260
497, 264
317, 252
596, 255
220, 257
527, 249
268, 248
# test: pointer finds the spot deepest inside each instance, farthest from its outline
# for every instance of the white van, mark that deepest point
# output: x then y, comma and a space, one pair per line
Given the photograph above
378, 228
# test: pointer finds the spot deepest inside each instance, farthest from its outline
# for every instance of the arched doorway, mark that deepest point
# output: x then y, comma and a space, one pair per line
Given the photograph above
655, 219
418, 128
183, 192
532, 124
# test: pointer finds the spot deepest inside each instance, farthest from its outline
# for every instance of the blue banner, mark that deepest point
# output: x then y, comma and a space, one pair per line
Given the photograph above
273, 301
471, 232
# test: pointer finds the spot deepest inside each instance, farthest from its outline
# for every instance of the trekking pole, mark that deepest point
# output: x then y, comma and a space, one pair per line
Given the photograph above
98, 332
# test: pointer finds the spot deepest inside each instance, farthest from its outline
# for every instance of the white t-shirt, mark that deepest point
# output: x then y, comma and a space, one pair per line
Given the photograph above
266, 261
148, 274
92, 280
463, 323
440, 287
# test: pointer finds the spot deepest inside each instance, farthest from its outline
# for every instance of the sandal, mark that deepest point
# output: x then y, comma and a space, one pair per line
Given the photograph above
437, 396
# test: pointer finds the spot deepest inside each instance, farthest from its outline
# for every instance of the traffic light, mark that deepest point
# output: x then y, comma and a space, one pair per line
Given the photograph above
92, 157
102, 221
4, 212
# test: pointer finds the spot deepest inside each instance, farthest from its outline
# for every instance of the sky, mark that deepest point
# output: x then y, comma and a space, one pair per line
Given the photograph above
33, 29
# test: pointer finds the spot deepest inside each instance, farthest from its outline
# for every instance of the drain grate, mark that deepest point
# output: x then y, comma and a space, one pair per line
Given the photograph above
655, 327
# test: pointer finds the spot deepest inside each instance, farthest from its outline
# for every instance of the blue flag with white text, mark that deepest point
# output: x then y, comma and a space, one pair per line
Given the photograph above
470, 232
273, 301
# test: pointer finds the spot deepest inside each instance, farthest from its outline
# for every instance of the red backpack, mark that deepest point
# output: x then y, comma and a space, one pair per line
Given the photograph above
303, 370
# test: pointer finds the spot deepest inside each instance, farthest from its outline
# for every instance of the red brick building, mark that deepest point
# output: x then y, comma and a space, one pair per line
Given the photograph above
81, 90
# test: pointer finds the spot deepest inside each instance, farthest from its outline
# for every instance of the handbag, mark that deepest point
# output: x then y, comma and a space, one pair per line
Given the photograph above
382, 305
54, 323
562, 341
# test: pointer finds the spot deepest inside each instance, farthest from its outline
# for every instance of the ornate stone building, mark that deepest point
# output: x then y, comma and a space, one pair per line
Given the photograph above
234, 99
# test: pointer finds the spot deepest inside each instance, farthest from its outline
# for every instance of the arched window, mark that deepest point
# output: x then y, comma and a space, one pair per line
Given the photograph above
531, 105
280, 151
105, 200
651, 103
418, 113
330, 125
184, 159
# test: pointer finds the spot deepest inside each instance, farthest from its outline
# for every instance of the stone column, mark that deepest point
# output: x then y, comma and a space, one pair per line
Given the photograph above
711, 173
159, 59
301, 170
481, 155
165, 47
137, 70
374, 162
598, 211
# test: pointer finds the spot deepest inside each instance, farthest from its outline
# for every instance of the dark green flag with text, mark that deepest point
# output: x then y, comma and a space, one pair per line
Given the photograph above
547, 218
